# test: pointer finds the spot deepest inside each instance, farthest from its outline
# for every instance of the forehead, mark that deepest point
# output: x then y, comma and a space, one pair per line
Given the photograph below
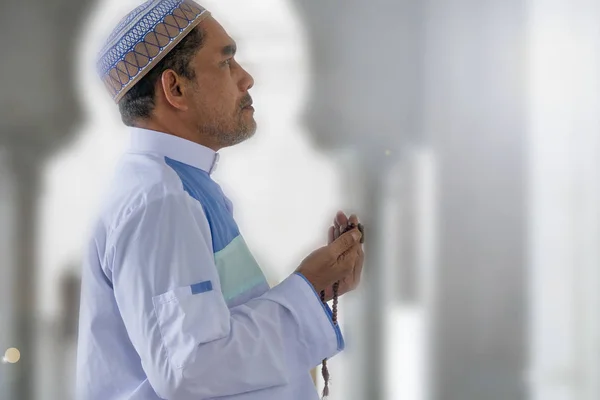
216, 37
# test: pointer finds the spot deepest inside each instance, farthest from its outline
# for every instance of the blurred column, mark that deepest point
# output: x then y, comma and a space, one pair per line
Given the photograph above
70, 288
369, 368
7, 290
475, 108
25, 173
565, 200
37, 114
413, 185
364, 107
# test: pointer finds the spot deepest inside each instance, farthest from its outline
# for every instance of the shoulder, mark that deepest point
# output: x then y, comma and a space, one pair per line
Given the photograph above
140, 180
144, 206
148, 174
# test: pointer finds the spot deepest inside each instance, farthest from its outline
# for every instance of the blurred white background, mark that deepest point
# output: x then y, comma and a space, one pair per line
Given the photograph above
465, 134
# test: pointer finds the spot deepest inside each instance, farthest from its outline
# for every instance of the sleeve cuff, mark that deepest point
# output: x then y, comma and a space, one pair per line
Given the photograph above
328, 312
320, 337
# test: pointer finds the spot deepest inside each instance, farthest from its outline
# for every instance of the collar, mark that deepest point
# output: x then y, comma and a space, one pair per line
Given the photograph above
174, 147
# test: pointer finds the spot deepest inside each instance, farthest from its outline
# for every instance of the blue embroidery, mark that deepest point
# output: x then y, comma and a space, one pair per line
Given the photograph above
202, 287
113, 53
140, 22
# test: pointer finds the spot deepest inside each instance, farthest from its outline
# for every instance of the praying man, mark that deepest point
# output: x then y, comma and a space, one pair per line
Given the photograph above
173, 304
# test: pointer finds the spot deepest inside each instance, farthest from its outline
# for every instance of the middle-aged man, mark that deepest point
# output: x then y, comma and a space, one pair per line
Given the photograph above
173, 305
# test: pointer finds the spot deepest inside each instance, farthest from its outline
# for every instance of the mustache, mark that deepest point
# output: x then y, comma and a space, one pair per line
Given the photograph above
246, 101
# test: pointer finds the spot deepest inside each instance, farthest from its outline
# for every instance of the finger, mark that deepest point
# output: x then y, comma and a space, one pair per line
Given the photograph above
350, 254
361, 228
341, 219
354, 224
347, 262
336, 233
358, 267
353, 220
330, 235
338, 218
345, 284
345, 242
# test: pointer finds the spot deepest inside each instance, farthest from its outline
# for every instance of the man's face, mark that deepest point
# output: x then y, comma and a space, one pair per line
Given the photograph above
221, 104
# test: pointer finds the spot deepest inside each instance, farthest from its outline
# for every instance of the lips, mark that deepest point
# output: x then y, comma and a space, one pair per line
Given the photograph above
247, 102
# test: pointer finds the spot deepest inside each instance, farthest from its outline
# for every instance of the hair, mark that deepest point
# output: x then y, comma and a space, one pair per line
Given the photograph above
139, 102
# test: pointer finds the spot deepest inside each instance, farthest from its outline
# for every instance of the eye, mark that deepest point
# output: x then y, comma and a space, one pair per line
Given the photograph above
227, 62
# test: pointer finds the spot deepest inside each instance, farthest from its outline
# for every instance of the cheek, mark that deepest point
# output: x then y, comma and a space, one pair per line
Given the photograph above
218, 93
226, 86
210, 108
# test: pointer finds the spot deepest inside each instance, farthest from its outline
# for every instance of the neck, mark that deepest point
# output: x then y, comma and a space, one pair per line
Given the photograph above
176, 128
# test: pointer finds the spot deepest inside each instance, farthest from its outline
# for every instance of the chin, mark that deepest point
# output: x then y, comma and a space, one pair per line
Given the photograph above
248, 129
247, 135
240, 136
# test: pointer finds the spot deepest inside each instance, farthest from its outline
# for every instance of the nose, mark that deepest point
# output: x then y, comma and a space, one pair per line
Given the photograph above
246, 81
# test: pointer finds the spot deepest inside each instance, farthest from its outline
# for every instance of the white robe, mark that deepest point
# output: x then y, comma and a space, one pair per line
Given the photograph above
173, 304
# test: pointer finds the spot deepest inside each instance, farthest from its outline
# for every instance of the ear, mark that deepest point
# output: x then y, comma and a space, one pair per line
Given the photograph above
174, 88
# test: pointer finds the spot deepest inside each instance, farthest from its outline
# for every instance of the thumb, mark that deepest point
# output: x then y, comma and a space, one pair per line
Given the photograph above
345, 242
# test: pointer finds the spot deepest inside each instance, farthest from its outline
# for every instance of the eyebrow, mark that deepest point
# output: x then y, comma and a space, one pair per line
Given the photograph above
229, 50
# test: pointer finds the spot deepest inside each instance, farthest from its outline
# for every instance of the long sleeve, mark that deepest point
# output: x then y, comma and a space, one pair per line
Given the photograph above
191, 345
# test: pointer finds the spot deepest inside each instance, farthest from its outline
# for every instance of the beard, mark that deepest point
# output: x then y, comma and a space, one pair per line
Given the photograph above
227, 133
245, 128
